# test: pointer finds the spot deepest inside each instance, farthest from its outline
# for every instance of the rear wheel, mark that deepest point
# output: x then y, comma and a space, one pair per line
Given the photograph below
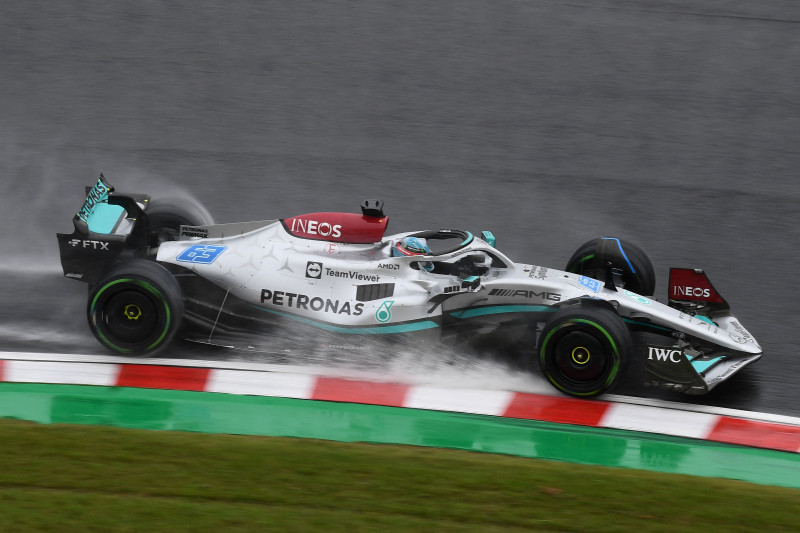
166, 216
583, 350
136, 308
593, 258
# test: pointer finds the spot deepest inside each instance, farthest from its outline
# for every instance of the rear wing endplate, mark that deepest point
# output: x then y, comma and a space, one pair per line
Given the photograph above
106, 225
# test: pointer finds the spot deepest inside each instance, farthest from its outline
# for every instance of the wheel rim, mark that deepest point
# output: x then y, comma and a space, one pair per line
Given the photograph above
580, 357
130, 316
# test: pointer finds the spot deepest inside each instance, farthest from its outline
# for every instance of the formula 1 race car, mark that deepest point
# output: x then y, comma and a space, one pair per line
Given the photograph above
161, 269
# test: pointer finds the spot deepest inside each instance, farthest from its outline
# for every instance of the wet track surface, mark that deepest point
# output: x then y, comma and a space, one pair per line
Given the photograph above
547, 122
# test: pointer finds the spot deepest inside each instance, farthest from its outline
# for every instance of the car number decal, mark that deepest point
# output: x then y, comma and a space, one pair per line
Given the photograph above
203, 254
590, 283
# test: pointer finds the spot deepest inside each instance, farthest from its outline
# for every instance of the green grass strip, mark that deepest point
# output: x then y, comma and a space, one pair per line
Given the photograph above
255, 415
97, 479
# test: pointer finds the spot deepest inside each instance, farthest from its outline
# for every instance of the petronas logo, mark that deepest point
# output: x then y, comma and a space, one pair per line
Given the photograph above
384, 312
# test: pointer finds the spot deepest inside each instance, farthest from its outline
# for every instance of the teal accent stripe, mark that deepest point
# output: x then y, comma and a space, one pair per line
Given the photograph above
702, 366
498, 309
705, 319
356, 330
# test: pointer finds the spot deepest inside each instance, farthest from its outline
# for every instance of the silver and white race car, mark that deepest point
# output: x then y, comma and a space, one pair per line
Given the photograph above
158, 270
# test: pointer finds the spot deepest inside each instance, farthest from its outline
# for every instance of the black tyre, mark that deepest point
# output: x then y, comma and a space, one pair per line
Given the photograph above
136, 308
166, 216
583, 350
592, 258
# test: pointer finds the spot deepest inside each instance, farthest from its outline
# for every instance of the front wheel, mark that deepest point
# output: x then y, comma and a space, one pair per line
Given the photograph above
136, 308
635, 267
583, 350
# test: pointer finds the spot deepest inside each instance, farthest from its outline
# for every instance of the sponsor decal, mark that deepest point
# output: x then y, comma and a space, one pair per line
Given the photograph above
314, 227
692, 285
637, 297
539, 273
384, 312
740, 335
309, 303
343, 347
203, 254
515, 293
590, 283
691, 292
352, 274
738, 338
194, 231
730, 370
700, 322
671, 355
452, 288
388, 266
314, 270
74, 275
97, 194
332, 248
94, 245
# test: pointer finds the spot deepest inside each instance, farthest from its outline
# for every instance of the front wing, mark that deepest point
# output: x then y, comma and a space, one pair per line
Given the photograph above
684, 370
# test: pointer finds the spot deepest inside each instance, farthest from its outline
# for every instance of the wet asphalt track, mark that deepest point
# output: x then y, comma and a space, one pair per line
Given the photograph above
547, 122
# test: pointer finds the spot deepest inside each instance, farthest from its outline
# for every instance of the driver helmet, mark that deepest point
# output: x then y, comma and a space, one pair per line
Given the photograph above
413, 246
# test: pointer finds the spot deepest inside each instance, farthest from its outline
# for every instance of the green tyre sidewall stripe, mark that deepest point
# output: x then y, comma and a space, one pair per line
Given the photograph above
615, 352
149, 288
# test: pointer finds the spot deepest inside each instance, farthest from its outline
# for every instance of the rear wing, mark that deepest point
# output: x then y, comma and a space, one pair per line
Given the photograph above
107, 226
